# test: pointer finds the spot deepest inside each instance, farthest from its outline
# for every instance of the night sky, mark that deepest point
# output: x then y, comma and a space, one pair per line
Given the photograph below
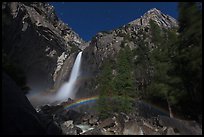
88, 18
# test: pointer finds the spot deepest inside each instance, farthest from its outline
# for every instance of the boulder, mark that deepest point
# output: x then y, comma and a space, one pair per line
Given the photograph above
68, 128
107, 132
84, 128
86, 118
132, 128
18, 115
170, 131
109, 122
183, 127
95, 131
93, 120
74, 115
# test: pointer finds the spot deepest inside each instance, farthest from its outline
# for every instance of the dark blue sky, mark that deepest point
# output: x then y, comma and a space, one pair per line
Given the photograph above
88, 18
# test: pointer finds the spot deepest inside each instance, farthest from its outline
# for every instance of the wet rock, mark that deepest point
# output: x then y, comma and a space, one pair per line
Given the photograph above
84, 128
93, 120
74, 115
107, 132
86, 118
79, 130
109, 122
95, 131
68, 128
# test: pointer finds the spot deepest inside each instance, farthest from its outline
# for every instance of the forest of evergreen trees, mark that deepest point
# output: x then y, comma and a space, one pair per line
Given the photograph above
177, 69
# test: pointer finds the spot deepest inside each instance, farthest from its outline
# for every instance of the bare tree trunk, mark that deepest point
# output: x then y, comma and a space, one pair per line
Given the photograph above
170, 109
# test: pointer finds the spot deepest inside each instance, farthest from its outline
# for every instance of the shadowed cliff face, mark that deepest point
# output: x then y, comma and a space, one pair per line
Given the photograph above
19, 117
36, 40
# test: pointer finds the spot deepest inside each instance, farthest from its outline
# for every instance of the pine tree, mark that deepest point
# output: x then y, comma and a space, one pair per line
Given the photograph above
123, 81
188, 59
161, 87
106, 90
116, 92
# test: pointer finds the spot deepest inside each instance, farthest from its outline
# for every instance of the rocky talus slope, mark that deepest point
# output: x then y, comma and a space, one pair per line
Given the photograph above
144, 120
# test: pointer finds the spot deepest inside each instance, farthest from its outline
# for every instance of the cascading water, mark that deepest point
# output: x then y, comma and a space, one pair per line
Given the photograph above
69, 88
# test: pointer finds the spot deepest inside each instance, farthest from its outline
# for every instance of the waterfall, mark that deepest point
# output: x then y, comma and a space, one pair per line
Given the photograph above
68, 89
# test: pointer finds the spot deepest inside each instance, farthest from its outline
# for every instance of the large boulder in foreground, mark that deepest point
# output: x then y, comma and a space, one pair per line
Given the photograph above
18, 115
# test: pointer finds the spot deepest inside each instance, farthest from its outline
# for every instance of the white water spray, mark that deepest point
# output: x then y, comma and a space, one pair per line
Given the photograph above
68, 89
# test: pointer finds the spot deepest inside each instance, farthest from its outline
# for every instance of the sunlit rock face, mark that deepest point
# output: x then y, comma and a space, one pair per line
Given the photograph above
161, 19
107, 44
36, 40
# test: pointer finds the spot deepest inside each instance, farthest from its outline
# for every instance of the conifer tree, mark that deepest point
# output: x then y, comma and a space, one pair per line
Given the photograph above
188, 59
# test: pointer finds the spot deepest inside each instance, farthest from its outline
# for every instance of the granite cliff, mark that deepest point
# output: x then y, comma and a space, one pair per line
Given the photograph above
37, 41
